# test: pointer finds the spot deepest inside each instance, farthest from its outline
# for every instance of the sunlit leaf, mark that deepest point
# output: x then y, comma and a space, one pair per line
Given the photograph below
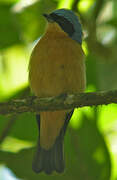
84, 5
65, 4
15, 70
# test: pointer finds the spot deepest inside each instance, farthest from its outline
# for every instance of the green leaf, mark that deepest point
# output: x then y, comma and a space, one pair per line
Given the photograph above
91, 71
89, 158
9, 31
86, 155
25, 127
31, 20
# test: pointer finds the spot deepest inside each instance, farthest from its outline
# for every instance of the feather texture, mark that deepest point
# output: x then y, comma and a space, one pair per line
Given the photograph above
52, 159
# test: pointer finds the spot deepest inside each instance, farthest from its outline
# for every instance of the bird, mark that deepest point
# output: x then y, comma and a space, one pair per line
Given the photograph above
56, 67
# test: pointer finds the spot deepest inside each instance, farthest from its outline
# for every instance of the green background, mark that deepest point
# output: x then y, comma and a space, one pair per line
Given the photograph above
91, 139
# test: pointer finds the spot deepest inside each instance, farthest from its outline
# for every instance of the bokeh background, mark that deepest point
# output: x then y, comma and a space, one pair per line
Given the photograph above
91, 139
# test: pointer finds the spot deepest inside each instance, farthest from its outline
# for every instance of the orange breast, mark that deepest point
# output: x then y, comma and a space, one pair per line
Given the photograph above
56, 66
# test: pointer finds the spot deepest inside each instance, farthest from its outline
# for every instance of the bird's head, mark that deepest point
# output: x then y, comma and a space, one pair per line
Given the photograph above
68, 22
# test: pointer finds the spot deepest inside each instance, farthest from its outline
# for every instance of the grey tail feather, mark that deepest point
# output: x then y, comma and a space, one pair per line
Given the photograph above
52, 159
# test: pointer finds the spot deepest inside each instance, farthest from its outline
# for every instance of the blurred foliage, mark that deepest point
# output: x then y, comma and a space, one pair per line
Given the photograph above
90, 142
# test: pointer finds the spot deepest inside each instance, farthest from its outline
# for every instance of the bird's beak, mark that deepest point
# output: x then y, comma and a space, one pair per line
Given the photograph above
48, 17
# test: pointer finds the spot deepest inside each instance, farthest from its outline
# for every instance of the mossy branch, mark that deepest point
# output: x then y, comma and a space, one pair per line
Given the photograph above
64, 101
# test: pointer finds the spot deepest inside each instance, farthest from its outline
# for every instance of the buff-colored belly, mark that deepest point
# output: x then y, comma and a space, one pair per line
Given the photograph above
56, 67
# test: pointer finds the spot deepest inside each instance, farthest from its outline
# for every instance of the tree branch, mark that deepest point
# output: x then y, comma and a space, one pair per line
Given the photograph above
64, 101
98, 7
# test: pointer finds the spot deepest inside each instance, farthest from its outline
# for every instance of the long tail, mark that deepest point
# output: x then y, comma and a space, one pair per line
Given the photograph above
52, 159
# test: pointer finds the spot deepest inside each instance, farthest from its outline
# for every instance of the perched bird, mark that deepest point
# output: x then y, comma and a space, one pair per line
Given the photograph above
56, 67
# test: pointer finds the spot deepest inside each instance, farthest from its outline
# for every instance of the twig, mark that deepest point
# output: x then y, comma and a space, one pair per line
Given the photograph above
64, 101
7, 128
74, 5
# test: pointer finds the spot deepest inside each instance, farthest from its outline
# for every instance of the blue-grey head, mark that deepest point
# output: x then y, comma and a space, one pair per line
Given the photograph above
68, 21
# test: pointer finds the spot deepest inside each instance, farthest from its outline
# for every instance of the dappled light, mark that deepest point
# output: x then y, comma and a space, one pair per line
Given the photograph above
91, 139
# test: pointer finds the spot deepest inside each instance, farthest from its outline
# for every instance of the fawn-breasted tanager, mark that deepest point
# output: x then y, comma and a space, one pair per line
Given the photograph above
56, 67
